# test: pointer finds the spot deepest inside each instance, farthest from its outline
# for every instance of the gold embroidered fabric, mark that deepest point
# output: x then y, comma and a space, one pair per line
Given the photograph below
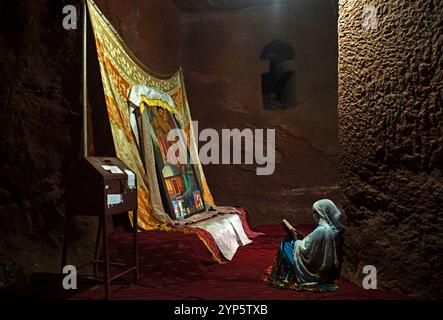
120, 70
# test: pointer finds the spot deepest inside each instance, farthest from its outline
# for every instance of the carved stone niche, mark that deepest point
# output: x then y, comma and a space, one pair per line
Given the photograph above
275, 80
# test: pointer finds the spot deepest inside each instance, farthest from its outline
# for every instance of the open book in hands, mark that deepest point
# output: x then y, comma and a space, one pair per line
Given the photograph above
292, 232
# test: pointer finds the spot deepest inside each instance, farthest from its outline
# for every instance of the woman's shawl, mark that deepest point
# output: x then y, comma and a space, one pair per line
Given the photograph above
316, 257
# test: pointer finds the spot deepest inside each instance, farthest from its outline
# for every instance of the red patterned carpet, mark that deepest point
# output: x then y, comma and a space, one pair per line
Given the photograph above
177, 266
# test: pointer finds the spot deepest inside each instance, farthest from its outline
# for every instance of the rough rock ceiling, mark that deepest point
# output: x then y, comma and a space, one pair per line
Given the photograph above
195, 6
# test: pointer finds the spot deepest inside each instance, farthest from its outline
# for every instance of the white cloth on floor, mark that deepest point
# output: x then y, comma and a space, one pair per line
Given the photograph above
227, 231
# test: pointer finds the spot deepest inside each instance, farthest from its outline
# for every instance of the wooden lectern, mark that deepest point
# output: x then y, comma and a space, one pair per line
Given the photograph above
102, 187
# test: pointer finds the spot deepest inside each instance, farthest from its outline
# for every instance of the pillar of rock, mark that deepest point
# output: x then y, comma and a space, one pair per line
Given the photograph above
391, 141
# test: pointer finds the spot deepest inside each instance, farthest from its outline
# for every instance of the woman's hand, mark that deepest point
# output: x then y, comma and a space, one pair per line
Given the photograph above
297, 234
293, 234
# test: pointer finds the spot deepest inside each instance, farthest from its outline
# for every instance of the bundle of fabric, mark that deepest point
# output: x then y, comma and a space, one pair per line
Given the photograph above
127, 84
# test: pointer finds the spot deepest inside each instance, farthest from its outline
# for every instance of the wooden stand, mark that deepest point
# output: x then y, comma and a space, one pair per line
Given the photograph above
92, 191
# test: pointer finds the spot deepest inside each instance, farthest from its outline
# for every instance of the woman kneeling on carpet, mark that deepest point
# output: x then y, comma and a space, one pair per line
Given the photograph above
310, 262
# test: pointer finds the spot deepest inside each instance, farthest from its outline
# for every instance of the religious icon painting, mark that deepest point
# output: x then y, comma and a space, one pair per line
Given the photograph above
179, 181
198, 203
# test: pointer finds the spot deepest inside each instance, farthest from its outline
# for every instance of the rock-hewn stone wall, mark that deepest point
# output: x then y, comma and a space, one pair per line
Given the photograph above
391, 140
40, 107
40, 73
221, 60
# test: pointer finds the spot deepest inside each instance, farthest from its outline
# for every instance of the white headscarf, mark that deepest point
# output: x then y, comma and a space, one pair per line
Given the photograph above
319, 248
326, 214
